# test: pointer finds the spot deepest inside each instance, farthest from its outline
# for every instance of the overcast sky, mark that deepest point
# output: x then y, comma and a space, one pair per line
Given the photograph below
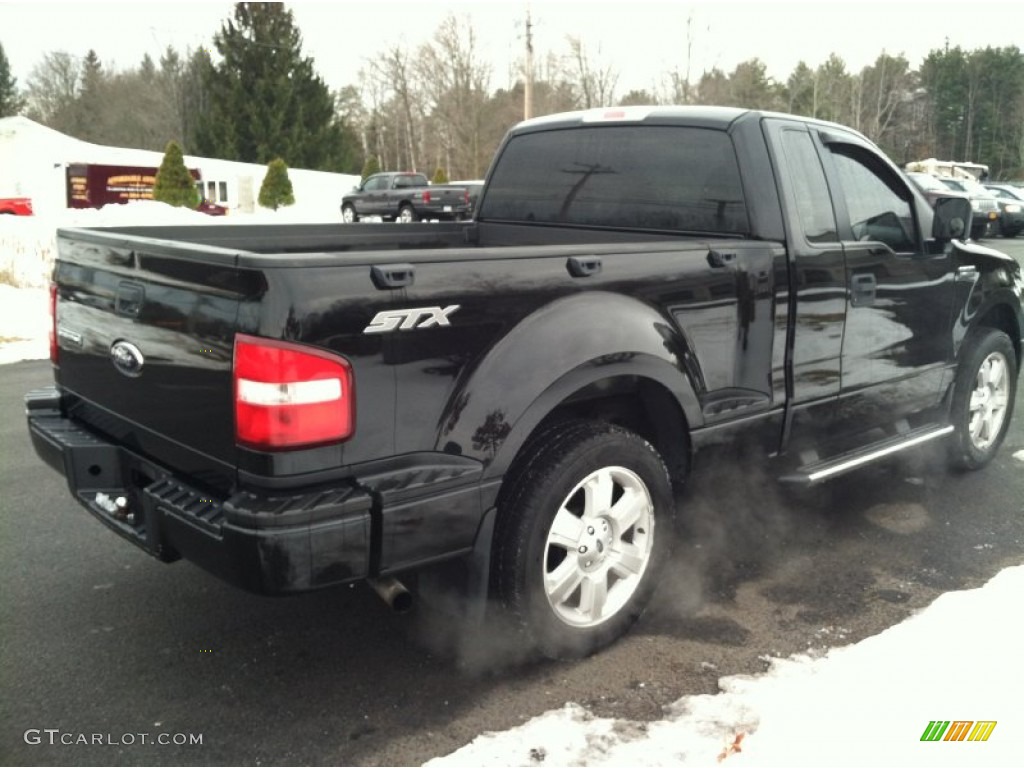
642, 39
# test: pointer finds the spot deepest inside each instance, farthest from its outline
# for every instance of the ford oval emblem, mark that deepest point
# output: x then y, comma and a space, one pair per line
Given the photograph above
127, 358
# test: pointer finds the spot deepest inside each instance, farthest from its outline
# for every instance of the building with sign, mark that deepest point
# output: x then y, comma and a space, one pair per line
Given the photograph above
51, 169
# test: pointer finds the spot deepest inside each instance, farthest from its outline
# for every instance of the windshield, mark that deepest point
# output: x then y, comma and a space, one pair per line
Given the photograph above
1007, 192
927, 181
975, 188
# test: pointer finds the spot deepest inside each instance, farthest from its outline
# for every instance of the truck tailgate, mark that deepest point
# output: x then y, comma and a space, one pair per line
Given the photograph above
145, 336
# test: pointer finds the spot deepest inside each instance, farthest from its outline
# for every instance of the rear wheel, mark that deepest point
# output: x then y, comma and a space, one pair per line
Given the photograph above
583, 529
983, 395
348, 214
406, 215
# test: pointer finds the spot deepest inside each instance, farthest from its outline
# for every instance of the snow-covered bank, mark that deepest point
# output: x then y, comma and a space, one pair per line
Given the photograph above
24, 324
863, 705
28, 244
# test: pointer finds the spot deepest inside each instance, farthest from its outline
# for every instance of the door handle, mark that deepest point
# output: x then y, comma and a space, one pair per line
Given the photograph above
583, 266
391, 276
863, 289
720, 259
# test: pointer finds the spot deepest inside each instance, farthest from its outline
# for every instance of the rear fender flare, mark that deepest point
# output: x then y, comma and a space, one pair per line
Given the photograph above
558, 350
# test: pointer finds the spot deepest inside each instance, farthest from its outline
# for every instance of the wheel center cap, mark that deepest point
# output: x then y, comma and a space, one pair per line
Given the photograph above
594, 543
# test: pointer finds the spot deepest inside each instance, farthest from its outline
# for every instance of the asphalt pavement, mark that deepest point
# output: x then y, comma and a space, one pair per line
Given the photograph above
104, 651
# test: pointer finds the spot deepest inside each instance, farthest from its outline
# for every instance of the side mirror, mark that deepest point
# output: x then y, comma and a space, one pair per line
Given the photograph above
952, 218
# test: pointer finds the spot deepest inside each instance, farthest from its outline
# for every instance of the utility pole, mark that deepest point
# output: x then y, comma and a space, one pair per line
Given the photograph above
528, 86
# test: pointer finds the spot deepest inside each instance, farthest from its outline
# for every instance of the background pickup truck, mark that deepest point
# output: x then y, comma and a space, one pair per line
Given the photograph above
405, 197
514, 403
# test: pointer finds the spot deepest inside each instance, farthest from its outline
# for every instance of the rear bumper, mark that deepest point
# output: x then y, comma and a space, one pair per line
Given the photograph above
271, 543
444, 212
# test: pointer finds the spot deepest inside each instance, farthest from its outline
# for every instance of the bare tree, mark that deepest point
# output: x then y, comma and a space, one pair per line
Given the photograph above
52, 90
395, 73
886, 85
456, 83
595, 82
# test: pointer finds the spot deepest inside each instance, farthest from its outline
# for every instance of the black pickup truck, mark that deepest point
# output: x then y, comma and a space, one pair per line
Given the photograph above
521, 397
405, 198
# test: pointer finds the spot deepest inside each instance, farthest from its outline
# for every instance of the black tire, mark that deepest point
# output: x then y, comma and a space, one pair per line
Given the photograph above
599, 552
1004, 232
406, 215
983, 396
348, 214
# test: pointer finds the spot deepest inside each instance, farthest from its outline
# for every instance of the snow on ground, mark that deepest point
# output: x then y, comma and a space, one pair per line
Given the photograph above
24, 324
1019, 455
867, 704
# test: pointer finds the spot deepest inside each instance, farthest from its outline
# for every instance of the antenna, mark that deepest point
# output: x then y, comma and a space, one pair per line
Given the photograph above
528, 86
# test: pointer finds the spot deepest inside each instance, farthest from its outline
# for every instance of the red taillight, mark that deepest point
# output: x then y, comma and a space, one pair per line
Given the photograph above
53, 323
288, 395
426, 196
465, 196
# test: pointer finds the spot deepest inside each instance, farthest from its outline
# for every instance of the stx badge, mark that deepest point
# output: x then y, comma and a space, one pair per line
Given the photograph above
408, 319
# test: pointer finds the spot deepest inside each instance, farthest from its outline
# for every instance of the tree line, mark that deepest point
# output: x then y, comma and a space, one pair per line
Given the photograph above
254, 96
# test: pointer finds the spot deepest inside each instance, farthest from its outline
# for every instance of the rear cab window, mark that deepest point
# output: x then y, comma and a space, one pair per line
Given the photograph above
634, 177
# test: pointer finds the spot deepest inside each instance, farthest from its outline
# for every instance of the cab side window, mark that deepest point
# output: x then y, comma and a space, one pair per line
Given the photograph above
877, 208
813, 201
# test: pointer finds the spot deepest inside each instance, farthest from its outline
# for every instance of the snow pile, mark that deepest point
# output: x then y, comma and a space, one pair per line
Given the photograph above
865, 704
27, 250
24, 324
28, 244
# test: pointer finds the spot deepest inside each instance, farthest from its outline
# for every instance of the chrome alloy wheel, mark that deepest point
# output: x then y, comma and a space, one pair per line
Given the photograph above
598, 547
988, 401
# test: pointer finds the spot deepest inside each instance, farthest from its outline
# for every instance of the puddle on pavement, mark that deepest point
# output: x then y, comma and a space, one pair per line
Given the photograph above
899, 518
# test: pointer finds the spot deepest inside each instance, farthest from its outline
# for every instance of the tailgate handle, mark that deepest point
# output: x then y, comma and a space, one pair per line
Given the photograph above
387, 276
129, 299
583, 266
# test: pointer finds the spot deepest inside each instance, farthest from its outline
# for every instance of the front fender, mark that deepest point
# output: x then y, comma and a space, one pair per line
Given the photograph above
992, 286
565, 346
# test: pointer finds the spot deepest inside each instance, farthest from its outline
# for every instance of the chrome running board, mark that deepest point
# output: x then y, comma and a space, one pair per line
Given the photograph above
825, 469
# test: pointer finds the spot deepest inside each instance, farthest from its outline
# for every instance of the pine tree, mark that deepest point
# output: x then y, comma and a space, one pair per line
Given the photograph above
11, 102
370, 167
90, 107
440, 177
264, 99
276, 190
174, 184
